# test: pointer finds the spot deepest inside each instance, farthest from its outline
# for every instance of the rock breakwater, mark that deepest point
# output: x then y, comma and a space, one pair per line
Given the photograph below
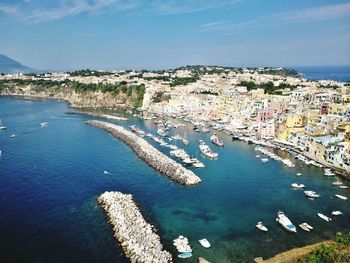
149, 154
106, 116
137, 238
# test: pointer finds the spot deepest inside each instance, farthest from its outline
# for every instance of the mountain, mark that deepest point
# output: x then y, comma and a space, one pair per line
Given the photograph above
8, 65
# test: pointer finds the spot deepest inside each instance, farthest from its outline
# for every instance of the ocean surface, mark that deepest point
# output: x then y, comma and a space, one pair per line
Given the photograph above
50, 178
338, 73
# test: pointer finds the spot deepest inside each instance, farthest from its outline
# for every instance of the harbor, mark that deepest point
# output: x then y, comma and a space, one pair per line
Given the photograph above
236, 192
137, 238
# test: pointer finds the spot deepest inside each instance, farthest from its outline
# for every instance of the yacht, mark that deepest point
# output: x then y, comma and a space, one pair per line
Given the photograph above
337, 213
2, 127
204, 242
261, 227
207, 151
311, 194
285, 222
215, 140
296, 185
341, 197
322, 216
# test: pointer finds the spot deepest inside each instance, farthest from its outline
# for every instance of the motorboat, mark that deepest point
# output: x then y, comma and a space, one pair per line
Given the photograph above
215, 140
181, 244
337, 213
207, 151
296, 185
304, 226
257, 156
264, 160
2, 127
324, 217
185, 141
299, 174
343, 187
204, 242
106, 172
190, 160
185, 255
12, 135
337, 183
43, 124
307, 225
261, 227
198, 164
311, 194
284, 221
341, 197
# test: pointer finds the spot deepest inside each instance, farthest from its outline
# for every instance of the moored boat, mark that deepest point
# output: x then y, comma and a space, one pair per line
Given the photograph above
324, 217
337, 213
207, 151
311, 194
261, 227
337, 183
204, 242
264, 160
304, 226
43, 124
296, 185
215, 140
284, 221
185, 255
341, 197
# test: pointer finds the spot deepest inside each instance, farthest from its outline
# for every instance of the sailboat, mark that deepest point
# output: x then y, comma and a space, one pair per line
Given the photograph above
2, 127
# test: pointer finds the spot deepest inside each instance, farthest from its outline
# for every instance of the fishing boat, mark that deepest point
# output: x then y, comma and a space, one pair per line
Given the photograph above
337, 213
43, 124
185, 255
204, 242
341, 197
304, 226
311, 194
284, 221
207, 151
2, 127
215, 140
324, 217
337, 183
261, 227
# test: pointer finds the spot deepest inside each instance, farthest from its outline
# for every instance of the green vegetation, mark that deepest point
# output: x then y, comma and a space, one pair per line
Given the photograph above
158, 97
88, 72
183, 81
339, 251
268, 87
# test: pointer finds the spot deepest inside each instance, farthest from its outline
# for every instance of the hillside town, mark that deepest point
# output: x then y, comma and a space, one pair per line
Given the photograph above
271, 105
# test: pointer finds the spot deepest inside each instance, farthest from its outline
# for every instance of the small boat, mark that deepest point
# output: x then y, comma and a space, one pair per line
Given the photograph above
343, 187
337, 213
296, 185
284, 221
207, 151
341, 197
308, 226
185, 255
311, 194
12, 135
215, 140
261, 227
204, 242
199, 164
185, 141
43, 124
303, 226
322, 216
264, 160
299, 174
337, 183
257, 156
2, 127
106, 172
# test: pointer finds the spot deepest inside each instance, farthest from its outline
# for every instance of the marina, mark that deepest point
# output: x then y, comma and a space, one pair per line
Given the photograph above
226, 187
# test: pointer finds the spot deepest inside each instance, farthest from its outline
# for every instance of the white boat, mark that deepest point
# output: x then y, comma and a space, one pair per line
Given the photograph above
341, 197
322, 216
296, 185
284, 221
204, 242
105, 172
308, 226
185, 141
207, 151
337, 213
215, 140
181, 244
199, 164
185, 255
264, 160
12, 135
189, 160
343, 187
2, 127
311, 194
43, 124
257, 156
337, 183
303, 226
299, 174
261, 227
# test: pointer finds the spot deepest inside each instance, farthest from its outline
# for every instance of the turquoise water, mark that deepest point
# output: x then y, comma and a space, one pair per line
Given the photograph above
50, 178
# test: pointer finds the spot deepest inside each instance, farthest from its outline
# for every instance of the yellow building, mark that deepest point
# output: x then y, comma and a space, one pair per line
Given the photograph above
337, 108
291, 123
258, 94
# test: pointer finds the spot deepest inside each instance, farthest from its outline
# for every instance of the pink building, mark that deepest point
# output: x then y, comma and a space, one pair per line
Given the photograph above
266, 130
275, 106
264, 115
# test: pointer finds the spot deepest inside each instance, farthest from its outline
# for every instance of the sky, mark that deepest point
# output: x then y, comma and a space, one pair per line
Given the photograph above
162, 34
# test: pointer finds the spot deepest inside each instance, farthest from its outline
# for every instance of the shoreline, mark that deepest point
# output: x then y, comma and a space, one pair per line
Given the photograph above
149, 154
106, 116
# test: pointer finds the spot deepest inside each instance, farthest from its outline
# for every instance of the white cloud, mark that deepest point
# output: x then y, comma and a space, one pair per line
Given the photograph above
9, 10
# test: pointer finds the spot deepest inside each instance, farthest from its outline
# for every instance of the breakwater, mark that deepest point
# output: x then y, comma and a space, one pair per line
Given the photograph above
137, 238
106, 116
149, 154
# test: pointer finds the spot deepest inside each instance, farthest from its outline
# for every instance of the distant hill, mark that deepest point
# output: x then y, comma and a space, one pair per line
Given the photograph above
8, 65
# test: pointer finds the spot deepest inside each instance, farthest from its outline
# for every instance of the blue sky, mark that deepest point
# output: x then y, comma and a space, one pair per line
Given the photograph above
154, 34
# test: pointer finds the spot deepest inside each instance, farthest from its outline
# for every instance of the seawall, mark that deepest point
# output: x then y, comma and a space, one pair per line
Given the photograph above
150, 154
137, 238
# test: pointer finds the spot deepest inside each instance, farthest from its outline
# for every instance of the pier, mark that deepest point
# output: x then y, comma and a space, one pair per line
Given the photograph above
137, 238
106, 116
150, 154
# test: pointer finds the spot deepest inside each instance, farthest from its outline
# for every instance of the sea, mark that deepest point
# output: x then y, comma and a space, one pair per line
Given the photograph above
51, 176
338, 73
